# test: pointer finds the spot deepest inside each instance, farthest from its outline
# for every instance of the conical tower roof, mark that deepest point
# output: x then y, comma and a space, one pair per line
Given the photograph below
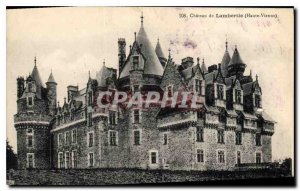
224, 63
236, 58
158, 50
36, 77
152, 65
51, 78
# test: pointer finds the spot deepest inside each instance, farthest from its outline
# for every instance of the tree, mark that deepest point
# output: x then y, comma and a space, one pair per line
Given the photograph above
11, 157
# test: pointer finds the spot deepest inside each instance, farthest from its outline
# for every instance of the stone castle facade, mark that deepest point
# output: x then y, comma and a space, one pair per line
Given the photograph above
228, 129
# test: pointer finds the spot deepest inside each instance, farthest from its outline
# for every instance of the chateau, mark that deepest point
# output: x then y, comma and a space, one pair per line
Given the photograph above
229, 128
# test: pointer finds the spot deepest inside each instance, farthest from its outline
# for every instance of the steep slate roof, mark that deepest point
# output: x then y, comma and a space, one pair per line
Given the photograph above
36, 77
51, 79
248, 87
209, 78
224, 63
158, 50
236, 58
152, 64
266, 117
229, 81
103, 74
190, 72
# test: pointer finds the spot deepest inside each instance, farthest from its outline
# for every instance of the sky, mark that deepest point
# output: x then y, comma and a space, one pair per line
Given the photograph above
73, 41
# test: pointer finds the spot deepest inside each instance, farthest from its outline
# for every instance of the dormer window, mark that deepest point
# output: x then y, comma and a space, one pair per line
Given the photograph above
29, 101
257, 100
112, 118
170, 91
238, 96
90, 98
29, 87
220, 91
135, 63
198, 86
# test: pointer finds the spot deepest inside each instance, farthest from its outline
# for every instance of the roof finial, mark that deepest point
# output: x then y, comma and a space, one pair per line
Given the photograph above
203, 61
134, 36
103, 62
250, 73
157, 39
226, 43
142, 19
89, 74
169, 53
235, 47
198, 60
35, 61
256, 77
64, 99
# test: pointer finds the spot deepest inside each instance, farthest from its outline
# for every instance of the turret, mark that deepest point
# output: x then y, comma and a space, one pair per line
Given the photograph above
160, 54
32, 123
51, 94
20, 86
236, 65
122, 53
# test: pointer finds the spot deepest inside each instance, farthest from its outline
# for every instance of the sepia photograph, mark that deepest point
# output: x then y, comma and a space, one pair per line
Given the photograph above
99, 96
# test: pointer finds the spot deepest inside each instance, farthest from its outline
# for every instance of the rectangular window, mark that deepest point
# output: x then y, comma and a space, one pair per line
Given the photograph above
60, 139
220, 91
200, 114
67, 138
198, 86
238, 96
112, 117
90, 119
238, 157
153, 158
165, 138
91, 159
258, 139
29, 133
29, 141
136, 116
258, 158
135, 62
30, 101
137, 137
113, 138
221, 136
91, 139
199, 134
238, 138
74, 159
170, 91
221, 156
200, 155
74, 136
67, 159
257, 100
30, 160
60, 160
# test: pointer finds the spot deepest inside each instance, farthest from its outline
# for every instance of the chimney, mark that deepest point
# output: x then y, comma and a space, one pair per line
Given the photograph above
122, 53
212, 68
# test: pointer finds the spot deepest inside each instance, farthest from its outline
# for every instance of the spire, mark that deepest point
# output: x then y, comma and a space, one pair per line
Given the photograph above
203, 67
158, 50
169, 53
226, 44
142, 20
35, 61
51, 78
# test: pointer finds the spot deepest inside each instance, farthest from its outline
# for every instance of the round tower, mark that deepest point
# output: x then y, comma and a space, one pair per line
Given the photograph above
32, 124
51, 94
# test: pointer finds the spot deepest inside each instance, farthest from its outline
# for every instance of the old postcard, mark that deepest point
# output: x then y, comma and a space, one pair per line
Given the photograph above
139, 95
